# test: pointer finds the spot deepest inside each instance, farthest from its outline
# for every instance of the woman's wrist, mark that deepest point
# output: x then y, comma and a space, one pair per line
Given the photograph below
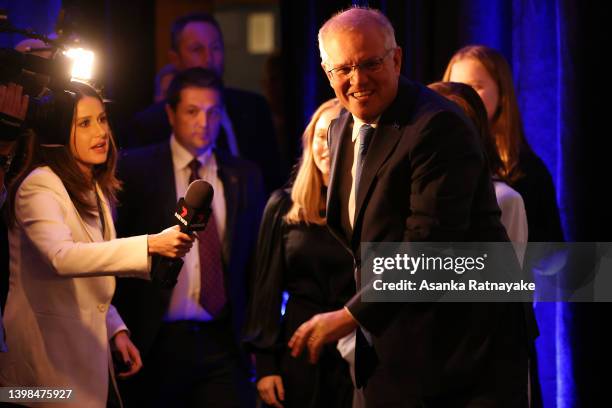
150, 244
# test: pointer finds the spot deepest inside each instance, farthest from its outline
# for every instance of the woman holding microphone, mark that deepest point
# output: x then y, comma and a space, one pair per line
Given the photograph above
64, 258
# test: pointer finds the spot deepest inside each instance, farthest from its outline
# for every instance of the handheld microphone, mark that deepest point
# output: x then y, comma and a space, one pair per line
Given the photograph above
192, 214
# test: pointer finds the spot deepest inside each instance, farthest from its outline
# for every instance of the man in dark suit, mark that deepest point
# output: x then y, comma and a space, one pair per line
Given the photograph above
189, 336
247, 129
407, 166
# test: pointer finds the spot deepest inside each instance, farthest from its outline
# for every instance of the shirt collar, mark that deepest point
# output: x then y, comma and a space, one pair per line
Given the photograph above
357, 123
181, 157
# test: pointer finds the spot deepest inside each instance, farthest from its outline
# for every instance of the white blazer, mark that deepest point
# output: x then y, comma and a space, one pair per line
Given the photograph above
58, 317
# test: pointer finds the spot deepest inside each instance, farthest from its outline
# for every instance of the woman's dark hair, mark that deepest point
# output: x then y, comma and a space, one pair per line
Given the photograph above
63, 163
469, 101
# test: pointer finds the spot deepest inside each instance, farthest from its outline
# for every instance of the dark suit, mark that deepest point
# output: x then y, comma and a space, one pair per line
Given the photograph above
252, 123
147, 205
425, 179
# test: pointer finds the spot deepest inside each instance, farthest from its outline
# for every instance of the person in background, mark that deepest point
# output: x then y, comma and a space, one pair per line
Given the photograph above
510, 202
246, 130
297, 254
64, 259
487, 71
190, 336
162, 81
13, 107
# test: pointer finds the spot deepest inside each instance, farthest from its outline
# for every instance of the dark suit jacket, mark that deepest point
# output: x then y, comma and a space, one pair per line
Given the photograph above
424, 179
147, 205
252, 123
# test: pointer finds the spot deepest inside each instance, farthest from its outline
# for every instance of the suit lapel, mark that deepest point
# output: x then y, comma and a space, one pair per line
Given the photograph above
85, 226
337, 143
230, 179
164, 186
382, 145
106, 215
109, 226
386, 138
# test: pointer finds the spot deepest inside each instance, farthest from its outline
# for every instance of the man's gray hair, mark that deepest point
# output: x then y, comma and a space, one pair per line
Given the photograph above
354, 19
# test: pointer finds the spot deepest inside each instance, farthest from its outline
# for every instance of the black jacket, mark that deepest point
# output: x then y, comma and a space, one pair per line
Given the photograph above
146, 206
425, 179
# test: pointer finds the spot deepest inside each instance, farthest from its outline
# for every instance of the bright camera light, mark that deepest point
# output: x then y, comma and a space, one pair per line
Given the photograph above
82, 67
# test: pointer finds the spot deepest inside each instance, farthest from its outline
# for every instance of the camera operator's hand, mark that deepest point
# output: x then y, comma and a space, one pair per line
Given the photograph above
12, 102
13, 108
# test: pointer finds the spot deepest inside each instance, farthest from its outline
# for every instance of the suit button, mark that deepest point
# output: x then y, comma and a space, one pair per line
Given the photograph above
102, 308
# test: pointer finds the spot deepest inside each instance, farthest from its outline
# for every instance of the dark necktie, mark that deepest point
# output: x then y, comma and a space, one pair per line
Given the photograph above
365, 136
212, 286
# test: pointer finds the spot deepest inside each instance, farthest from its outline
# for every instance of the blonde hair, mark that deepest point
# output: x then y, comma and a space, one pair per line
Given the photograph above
506, 125
353, 19
306, 192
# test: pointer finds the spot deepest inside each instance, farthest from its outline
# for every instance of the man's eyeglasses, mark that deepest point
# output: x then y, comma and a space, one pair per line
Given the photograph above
370, 66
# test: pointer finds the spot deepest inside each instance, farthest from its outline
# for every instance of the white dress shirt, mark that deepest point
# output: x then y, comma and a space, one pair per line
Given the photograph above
184, 303
357, 123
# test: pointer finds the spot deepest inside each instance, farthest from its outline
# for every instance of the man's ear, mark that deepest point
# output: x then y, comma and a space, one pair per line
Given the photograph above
397, 60
174, 59
170, 114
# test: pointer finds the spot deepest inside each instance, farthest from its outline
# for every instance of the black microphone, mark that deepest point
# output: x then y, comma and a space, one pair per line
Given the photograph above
192, 214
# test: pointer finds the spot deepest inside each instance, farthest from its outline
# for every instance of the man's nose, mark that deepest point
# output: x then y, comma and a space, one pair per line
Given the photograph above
202, 118
101, 129
358, 76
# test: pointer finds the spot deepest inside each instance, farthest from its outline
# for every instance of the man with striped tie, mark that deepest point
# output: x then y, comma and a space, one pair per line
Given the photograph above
189, 335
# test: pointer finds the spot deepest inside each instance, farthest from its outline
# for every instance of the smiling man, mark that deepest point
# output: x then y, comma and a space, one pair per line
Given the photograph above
189, 336
408, 166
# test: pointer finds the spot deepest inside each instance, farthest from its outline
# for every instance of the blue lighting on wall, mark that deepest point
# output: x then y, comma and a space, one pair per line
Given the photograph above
532, 42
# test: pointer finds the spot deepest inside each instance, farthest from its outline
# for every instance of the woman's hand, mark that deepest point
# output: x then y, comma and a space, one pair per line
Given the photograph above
128, 352
171, 243
271, 390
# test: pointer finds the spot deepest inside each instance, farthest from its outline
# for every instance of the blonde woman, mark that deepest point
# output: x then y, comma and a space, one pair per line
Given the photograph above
297, 254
